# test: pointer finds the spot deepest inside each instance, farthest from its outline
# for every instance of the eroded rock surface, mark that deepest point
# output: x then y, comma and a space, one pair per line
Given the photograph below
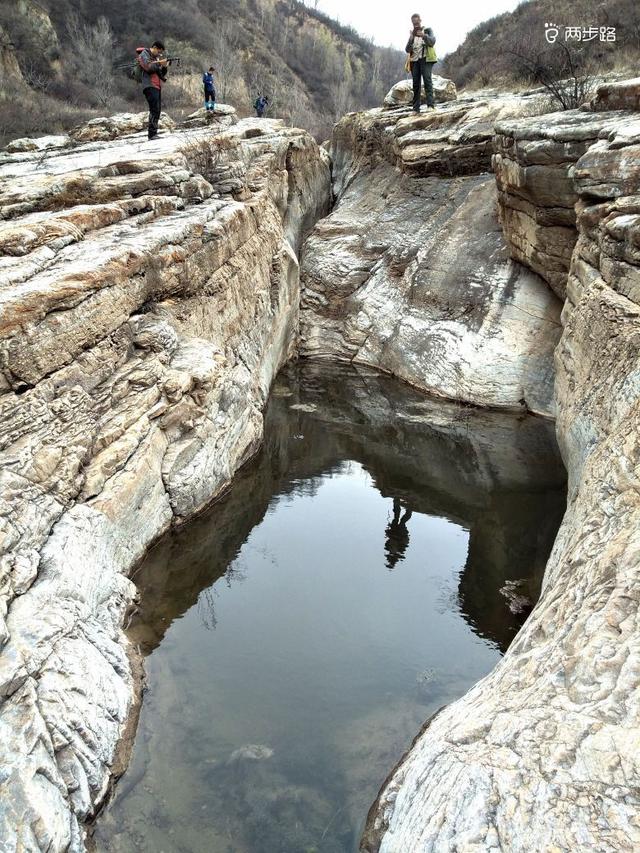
546, 747
620, 95
149, 294
534, 163
411, 274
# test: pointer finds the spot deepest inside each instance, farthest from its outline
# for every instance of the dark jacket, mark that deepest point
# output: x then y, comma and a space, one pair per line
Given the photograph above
429, 40
208, 83
153, 74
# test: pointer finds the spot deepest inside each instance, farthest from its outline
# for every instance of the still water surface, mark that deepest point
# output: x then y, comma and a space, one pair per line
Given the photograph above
360, 574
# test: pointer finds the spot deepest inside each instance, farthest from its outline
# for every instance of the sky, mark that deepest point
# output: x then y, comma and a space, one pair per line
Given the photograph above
389, 23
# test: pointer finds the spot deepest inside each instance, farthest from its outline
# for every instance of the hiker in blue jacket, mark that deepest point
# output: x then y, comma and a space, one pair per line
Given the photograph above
209, 89
260, 105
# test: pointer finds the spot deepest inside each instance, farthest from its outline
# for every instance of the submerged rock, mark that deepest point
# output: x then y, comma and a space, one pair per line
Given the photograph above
516, 597
250, 752
150, 294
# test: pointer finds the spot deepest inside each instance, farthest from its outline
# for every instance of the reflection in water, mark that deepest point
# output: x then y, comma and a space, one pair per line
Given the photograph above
288, 667
397, 535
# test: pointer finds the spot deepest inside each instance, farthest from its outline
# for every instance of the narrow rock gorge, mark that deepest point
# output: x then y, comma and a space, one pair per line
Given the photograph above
411, 274
148, 297
145, 310
546, 746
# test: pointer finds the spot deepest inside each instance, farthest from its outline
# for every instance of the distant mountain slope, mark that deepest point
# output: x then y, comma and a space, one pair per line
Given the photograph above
484, 58
57, 59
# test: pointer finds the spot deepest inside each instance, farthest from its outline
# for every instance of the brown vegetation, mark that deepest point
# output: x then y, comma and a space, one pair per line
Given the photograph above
566, 71
205, 156
489, 54
312, 68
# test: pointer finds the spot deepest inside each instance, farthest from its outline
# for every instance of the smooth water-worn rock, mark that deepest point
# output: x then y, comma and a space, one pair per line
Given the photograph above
618, 95
546, 747
111, 127
148, 295
411, 274
39, 143
222, 116
144, 311
402, 93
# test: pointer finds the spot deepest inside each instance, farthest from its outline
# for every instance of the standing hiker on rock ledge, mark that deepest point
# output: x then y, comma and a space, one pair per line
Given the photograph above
209, 89
260, 105
153, 74
422, 57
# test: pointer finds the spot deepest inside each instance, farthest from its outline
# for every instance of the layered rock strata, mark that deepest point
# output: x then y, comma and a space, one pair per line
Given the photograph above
148, 296
411, 273
546, 747
533, 163
456, 139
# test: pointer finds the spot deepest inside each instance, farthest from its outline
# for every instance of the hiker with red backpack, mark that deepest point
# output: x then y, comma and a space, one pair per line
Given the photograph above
152, 74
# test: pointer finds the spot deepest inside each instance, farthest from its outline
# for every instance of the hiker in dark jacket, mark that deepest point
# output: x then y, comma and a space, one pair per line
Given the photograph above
209, 89
260, 106
422, 58
154, 73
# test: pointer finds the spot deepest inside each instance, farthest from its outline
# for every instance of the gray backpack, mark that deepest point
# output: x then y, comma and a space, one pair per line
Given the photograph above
136, 68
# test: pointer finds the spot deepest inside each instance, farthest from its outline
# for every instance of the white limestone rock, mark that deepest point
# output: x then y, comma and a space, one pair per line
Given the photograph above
142, 320
106, 128
401, 94
410, 273
222, 117
39, 143
533, 162
546, 747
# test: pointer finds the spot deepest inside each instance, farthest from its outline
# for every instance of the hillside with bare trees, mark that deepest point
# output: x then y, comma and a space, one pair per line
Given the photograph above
513, 47
60, 60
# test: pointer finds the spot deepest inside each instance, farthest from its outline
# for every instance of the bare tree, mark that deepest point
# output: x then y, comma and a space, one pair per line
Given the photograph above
92, 57
226, 46
562, 69
35, 77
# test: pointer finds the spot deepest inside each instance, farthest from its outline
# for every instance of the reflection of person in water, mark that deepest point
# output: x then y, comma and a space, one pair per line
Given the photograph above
397, 535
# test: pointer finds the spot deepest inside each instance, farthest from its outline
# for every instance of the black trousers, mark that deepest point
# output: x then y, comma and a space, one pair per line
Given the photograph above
154, 99
421, 71
209, 96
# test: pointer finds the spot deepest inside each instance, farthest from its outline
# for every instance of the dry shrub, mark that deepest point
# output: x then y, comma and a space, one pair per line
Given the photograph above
24, 114
205, 156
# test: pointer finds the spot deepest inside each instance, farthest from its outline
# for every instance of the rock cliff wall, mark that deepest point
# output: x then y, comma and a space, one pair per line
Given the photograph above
411, 273
546, 747
149, 295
